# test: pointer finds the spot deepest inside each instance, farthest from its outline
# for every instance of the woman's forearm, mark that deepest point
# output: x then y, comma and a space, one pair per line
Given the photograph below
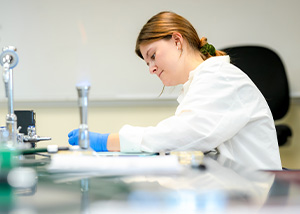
113, 142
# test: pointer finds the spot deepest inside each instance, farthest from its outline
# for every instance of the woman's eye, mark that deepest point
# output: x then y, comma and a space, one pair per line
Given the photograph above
153, 56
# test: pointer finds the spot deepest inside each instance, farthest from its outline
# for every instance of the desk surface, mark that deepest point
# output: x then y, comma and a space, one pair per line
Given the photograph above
220, 187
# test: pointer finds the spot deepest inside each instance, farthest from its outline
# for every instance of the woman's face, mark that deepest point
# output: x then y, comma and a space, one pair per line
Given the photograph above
163, 59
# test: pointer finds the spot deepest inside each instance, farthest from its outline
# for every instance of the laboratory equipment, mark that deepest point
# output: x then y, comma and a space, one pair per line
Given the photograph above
9, 59
83, 92
27, 128
32, 137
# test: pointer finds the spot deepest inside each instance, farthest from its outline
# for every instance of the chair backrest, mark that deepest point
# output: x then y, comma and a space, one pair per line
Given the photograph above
267, 71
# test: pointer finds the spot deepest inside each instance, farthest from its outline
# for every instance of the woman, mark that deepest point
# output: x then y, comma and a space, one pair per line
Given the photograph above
220, 108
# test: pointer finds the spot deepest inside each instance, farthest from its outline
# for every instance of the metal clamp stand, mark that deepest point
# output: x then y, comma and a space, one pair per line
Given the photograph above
9, 60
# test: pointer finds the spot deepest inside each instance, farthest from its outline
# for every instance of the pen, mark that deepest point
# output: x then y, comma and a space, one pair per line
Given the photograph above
49, 149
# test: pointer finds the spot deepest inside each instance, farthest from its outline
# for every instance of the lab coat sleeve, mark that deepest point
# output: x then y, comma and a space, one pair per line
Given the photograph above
131, 138
214, 109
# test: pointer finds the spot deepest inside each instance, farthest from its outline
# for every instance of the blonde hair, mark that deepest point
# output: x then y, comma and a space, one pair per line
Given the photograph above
163, 25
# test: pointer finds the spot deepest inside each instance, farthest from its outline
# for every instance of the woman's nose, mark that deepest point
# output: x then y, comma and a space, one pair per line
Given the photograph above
152, 68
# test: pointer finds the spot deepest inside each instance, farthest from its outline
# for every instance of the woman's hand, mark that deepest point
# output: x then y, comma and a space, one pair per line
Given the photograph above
98, 142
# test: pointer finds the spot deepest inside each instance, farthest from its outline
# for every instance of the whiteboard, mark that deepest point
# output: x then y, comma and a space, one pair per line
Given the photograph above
63, 42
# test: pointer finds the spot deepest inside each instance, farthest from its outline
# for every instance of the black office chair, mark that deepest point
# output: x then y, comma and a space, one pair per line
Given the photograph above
266, 70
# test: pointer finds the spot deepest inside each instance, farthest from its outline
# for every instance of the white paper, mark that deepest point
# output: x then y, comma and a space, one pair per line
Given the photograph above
114, 165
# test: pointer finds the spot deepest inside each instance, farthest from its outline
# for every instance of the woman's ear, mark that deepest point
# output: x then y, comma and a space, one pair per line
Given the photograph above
178, 40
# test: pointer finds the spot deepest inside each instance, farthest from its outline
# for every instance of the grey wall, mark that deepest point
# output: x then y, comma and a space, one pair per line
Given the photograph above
63, 42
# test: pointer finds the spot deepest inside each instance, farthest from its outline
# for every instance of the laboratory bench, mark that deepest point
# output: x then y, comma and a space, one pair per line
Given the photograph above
213, 185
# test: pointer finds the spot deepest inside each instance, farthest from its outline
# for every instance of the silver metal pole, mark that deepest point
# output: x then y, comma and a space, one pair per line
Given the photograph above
83, 92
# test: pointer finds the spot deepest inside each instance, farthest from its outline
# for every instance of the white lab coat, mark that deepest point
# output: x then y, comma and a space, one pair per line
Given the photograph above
219, 108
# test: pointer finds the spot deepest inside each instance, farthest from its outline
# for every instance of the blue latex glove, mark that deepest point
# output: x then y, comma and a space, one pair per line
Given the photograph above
98, 142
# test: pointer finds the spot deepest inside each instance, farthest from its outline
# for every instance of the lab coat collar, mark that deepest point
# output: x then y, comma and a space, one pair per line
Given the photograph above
211, 61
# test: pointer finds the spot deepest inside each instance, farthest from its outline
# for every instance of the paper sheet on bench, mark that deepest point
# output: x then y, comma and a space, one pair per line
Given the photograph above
114, 165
